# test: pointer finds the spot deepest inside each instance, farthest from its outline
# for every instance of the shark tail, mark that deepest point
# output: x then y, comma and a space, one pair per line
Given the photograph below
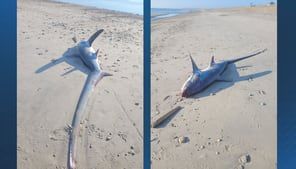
248, 56
92, 79
107, 74
94, 36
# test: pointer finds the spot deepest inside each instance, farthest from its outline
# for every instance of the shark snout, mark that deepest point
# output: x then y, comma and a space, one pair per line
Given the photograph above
184, 93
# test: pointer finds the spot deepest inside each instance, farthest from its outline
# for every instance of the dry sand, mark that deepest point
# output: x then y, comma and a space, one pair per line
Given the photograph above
227, 121
112, 129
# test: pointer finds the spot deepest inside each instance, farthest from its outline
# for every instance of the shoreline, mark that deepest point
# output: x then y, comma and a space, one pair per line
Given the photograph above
97, 8
226, 9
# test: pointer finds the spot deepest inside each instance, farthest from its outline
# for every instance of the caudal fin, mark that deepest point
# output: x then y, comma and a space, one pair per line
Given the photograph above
94, 36
248, 56
101, 75
107, 74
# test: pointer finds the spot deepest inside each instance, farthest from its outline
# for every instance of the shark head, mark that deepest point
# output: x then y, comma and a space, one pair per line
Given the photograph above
193, 83
191, 86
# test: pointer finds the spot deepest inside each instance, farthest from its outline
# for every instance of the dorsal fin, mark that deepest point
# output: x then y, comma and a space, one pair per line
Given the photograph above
97, 52
212, 62
94, 36
194, 67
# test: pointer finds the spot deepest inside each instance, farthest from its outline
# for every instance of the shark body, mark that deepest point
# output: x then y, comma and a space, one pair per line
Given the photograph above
85, 52
201, 79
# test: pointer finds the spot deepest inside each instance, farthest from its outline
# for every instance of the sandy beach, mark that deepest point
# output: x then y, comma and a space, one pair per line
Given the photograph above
111, 135
230, 124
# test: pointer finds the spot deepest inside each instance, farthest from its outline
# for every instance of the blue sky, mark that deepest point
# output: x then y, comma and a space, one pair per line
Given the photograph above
132, 6
136, 6
204, 3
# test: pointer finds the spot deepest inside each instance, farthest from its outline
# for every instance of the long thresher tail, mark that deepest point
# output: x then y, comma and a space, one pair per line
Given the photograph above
248, 56
91, 81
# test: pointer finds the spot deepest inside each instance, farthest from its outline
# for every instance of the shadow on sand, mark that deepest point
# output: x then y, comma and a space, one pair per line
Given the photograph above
68, 57
232, 74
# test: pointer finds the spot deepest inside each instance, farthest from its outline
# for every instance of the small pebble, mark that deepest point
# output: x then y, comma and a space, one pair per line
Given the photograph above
261, 92
240, 167
180, 99
226, 147
183, 140
262, 104
108, 138
166, 97
245, 159
217, 153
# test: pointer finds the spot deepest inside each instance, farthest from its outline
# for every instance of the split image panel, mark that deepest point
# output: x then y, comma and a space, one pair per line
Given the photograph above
80, 84
212, 111
71, 112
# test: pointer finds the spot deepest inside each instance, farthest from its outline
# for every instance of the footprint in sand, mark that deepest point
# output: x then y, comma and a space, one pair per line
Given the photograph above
59, 134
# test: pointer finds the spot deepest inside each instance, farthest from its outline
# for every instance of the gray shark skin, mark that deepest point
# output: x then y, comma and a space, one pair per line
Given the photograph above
201, 79
88, 56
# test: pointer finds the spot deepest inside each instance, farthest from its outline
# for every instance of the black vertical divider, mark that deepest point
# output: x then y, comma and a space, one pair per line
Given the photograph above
147, 84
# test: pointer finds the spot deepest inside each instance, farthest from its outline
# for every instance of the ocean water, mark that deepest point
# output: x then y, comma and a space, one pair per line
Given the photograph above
129, 6
160, 13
